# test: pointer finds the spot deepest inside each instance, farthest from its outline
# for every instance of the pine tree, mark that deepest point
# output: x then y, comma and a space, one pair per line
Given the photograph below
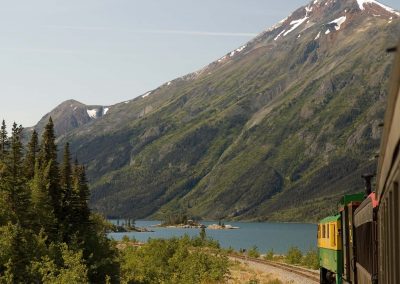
66, 171
44, 218
48, 158
68, 197
4, 143
31, 155
81, 191
13, 179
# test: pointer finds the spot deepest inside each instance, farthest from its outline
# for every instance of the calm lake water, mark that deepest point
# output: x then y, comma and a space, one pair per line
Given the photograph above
266, 236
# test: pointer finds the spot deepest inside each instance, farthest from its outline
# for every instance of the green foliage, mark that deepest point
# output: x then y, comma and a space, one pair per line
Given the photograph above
270, 255
203, 234
294, 255
47, 233
72, 269
31, 155
253, 252
173, 261
310, 259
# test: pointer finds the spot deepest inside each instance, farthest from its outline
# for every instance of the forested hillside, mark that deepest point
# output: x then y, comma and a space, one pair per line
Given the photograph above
277, 129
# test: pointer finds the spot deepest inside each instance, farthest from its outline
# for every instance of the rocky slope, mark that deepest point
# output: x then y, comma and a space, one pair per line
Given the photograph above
69, 115
277, 129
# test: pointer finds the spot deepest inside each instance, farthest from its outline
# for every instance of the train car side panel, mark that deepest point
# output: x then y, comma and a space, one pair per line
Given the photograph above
388, 180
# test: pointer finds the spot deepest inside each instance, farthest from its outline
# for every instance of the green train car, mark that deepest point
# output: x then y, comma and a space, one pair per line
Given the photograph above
335, 241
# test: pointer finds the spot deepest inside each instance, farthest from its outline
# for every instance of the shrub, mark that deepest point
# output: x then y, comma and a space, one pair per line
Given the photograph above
294, 255
310, 259
253, 252
172, 261
270, 255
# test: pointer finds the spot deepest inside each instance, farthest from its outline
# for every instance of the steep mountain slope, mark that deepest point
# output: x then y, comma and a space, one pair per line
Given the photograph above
276, 129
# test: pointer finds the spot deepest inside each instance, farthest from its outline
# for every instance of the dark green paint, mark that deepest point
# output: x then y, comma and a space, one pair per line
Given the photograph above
333, 261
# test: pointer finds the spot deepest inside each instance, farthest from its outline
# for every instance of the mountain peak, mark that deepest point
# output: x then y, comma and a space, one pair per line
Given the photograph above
71, 114
328, 16
371, 4
319, 18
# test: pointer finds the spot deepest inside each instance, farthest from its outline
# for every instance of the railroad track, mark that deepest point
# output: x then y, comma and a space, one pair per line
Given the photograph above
314, 276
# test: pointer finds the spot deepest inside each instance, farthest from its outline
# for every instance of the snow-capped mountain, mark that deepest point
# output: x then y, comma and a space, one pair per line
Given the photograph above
275, 129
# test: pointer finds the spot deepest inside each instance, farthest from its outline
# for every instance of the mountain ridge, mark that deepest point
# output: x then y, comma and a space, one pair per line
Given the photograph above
274, 130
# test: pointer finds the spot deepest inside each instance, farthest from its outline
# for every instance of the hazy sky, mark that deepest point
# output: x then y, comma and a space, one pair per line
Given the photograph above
107, 51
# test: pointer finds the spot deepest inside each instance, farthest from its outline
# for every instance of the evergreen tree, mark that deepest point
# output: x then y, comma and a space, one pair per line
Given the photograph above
48, 158
13, 179
61, 241
81, 191
3, 141
44, 218
31, 155
15, 244
68, 196
66, 171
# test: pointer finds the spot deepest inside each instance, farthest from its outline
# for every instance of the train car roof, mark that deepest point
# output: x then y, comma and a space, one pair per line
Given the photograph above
346, 199
364, 213
330, 219
391, 131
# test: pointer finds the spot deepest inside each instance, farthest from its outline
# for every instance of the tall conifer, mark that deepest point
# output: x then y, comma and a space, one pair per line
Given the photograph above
48, 158
44, 217
3, 141
31, 155
80, 196
67, 194
14, 183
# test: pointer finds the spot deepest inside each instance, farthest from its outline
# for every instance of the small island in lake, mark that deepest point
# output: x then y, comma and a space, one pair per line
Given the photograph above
182, 222
128, 225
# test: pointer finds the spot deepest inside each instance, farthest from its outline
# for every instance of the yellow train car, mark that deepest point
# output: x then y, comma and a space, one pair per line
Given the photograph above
330, 249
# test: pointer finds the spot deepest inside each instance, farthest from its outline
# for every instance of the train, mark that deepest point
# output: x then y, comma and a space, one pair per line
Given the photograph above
361, 243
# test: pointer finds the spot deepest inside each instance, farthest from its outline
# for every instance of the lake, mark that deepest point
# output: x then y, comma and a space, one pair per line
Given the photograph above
266, 236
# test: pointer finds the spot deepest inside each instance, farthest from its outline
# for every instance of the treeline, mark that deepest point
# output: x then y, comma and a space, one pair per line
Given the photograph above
47, 232
175, 219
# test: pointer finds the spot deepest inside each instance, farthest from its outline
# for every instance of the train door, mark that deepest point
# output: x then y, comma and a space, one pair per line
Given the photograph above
345, 240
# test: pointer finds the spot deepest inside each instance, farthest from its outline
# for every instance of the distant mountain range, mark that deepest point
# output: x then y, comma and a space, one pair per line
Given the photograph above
277, 129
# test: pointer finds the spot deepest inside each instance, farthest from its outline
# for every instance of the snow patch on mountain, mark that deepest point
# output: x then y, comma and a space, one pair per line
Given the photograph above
279, 35
338, 22
146, 95
105, 110
295, 24
92, 113
222, 59
240, 49
362, 2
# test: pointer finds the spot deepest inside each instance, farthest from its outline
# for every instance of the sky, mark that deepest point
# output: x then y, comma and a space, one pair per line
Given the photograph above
102, 52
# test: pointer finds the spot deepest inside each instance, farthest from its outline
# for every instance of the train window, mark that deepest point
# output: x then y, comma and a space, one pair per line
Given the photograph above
327, 231
323, 231
333, 235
